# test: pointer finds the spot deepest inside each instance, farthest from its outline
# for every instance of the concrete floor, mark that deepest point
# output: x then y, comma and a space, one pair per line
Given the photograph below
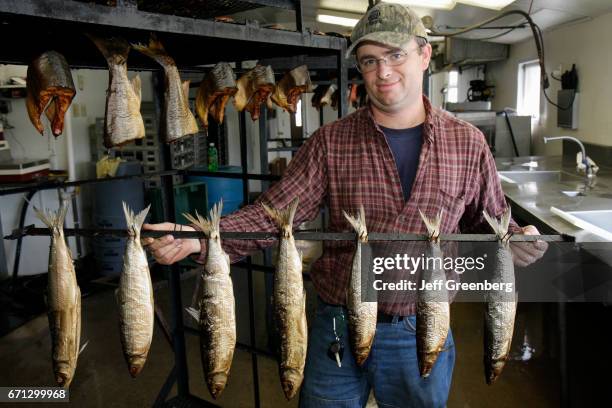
102, 379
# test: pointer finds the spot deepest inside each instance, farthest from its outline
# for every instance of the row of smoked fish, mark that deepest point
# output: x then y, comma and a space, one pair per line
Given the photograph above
215, 304
214, 307
50, 90
330, 95
63, 298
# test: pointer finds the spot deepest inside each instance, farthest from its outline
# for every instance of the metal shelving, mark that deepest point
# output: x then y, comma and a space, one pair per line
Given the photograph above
193, 43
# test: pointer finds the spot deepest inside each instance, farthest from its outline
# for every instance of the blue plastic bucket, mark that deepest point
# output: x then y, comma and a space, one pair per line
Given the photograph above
228, 189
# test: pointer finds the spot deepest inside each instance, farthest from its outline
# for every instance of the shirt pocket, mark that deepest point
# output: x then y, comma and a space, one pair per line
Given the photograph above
453, 206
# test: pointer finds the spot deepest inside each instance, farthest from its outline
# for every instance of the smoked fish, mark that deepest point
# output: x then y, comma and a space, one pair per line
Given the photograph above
289, 302
50, 89
122, 119
290, 87
361, 314
135, 296
254, 88
433, 312
63, 299
500, 308
215, 90
177, 118
217, 305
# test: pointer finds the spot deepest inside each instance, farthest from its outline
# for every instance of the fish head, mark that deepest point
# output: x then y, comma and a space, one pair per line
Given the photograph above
493, 370
291, 381
135, 365
216, 384
426, 363
63, 375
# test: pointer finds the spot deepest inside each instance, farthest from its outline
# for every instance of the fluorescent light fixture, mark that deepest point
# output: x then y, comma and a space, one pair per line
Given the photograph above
342, 21
450, 4
490, 4
430, 4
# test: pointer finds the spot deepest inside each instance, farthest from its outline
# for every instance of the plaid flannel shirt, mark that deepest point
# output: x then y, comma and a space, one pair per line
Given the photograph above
348, 163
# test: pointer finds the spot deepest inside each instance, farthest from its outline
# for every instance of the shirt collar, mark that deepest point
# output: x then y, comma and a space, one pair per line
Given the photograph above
429, 125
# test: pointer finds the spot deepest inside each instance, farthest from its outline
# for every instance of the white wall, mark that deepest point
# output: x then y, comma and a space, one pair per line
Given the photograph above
585, 44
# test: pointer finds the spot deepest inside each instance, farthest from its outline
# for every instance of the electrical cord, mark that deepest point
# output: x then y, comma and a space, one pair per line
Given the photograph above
500, 34
571, 103
532, 25
539, 43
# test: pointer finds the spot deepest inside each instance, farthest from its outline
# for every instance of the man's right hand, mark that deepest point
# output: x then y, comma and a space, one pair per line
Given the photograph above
168, 250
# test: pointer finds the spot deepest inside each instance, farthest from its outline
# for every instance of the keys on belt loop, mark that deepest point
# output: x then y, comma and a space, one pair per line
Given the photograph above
336, 348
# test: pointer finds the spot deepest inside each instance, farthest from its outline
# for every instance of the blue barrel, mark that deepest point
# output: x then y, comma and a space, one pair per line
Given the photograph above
228, 189
108, 196
108, 213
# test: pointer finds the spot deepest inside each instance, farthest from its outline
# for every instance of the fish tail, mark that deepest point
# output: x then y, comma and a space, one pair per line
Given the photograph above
201, 222
155, 50
134, 221
215, 215
283, 218
358, 223
54, 220
115, 50
500, 227
46, 217
432, 224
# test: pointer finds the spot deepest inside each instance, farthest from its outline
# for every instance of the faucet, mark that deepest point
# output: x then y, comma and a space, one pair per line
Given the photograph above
588, 170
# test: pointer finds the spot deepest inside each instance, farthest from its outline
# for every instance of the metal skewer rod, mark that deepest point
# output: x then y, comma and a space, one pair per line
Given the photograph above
304, 236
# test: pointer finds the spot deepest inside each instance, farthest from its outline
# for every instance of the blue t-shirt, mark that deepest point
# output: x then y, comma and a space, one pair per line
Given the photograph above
405, 145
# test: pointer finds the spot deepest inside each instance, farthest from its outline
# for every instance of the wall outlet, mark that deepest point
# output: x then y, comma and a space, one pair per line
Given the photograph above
80, 82
83, 110
75, 110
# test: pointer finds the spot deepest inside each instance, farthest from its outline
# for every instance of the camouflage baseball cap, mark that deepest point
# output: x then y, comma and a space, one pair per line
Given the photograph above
389, 24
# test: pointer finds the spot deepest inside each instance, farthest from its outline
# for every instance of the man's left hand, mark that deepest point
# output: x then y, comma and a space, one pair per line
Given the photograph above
526, 253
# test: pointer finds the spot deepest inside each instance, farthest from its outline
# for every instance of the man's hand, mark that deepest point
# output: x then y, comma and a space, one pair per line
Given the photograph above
168, 250
526, 253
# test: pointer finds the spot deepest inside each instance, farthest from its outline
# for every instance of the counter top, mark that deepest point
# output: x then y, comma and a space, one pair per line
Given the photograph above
531, 200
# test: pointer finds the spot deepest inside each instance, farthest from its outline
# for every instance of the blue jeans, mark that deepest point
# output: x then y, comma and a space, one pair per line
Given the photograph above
391, 369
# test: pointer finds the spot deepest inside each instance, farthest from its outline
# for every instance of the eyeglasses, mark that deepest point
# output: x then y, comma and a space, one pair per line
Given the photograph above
392, 59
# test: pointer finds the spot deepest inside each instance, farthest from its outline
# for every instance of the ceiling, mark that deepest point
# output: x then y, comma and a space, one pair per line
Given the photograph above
546, 13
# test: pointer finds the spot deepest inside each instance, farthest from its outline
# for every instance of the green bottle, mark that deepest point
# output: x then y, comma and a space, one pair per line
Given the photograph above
213, 159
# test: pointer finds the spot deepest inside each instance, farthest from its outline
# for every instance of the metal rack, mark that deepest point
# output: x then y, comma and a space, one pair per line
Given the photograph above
63, 24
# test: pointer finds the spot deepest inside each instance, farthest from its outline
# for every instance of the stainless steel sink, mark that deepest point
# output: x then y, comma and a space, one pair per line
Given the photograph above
539, 176
596, 221
573, 193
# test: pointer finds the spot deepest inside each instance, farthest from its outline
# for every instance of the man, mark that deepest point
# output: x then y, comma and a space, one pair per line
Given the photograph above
394, 157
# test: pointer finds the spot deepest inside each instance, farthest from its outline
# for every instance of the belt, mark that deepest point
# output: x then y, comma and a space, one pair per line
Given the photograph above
385, 318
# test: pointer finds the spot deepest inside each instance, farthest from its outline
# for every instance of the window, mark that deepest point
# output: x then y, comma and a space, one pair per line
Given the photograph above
453, 88
528, 92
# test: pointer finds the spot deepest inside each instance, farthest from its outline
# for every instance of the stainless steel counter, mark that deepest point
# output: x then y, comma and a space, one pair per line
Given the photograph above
538, 188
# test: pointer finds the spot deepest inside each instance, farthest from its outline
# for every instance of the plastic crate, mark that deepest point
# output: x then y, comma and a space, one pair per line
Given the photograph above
187, 198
